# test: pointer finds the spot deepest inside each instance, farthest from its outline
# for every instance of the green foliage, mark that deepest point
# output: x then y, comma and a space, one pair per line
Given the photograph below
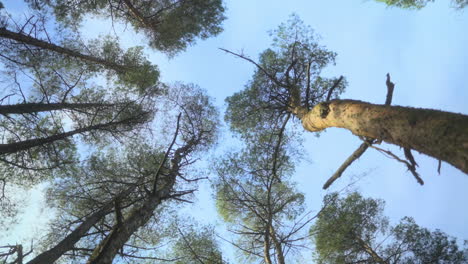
418, 4
291, 68
343, 221
253, 195
169, 25
138, 75
349, 229
196, 244
428, 246
180, 26
200, 118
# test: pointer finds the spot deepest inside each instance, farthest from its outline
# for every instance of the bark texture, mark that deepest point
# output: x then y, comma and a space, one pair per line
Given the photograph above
439, 134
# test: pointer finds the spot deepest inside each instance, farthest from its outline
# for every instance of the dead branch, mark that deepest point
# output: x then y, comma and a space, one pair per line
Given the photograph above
356, 154
337, 82
408, 164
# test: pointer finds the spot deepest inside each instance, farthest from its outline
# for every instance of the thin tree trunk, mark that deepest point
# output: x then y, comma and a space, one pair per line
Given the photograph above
371, 252
138, 217
31, 143
28, 108
106, 251
439, 134
137, 14
67, 244
5, 33
266, 247
278, 248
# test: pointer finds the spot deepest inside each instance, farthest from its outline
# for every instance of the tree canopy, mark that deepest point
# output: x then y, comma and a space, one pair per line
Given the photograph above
169, 25
353, 229
120, 152
418, 4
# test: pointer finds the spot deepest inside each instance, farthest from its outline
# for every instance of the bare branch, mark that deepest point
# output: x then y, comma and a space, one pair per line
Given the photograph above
390, 87
337, 82
408, 164
356, 154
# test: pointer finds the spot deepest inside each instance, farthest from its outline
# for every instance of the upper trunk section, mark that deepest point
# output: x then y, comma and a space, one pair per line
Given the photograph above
439, 134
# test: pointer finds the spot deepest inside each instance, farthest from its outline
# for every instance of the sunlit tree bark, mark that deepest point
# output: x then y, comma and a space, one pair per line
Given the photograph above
442, 135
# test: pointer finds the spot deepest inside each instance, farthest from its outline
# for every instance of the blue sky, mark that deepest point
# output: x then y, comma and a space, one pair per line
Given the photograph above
424, 51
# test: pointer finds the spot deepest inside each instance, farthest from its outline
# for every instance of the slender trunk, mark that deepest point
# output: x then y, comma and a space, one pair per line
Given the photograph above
138, 217
19, 260
266, 247
31, 143
106, 251
5, 33
439, 134
28, 108
137, 14
67, 244
371, 252
277, 245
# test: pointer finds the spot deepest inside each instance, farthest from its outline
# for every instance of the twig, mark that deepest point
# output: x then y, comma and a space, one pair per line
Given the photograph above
408, 164
256, 64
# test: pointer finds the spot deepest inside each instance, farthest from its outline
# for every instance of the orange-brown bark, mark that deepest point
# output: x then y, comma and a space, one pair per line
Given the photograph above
439, 134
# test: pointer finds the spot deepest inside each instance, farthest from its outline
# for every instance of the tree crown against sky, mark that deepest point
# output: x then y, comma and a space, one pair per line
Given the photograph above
290, 85
143, 181
287, 73
418, 4
353, 229
170, 25
254, 195
185, 129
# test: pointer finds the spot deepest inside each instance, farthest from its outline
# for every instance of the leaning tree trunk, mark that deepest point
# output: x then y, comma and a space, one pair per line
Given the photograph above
25, 39
31, 143
29, 108
278, 246
108, 249
439, 134
68, 243
371, 252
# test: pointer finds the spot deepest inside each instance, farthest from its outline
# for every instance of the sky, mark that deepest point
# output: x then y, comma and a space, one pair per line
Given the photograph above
425, 52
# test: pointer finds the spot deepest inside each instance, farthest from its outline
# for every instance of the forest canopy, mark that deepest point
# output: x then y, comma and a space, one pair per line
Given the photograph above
110, 153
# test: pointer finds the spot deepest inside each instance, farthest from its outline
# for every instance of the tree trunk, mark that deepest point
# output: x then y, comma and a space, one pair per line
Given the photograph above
278, 248
25, 39
106, 251
138, 217
266, 247
137, 14
439, 134
371, 252
28, 108
67, 244
31, 143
